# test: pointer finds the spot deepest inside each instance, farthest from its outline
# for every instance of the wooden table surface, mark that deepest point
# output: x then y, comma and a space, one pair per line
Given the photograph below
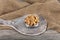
50, 10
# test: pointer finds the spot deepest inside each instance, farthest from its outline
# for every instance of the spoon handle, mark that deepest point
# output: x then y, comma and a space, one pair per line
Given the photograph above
5, 22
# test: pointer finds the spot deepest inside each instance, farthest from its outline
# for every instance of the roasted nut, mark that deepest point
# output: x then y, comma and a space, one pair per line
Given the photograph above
32, 20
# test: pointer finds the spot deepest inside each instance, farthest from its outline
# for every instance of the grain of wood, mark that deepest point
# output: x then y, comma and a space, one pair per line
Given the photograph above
7, 6
34, 1
5, 27
34, 8
40, 1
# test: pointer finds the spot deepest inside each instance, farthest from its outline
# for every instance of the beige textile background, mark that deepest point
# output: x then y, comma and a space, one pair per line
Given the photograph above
49, 9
